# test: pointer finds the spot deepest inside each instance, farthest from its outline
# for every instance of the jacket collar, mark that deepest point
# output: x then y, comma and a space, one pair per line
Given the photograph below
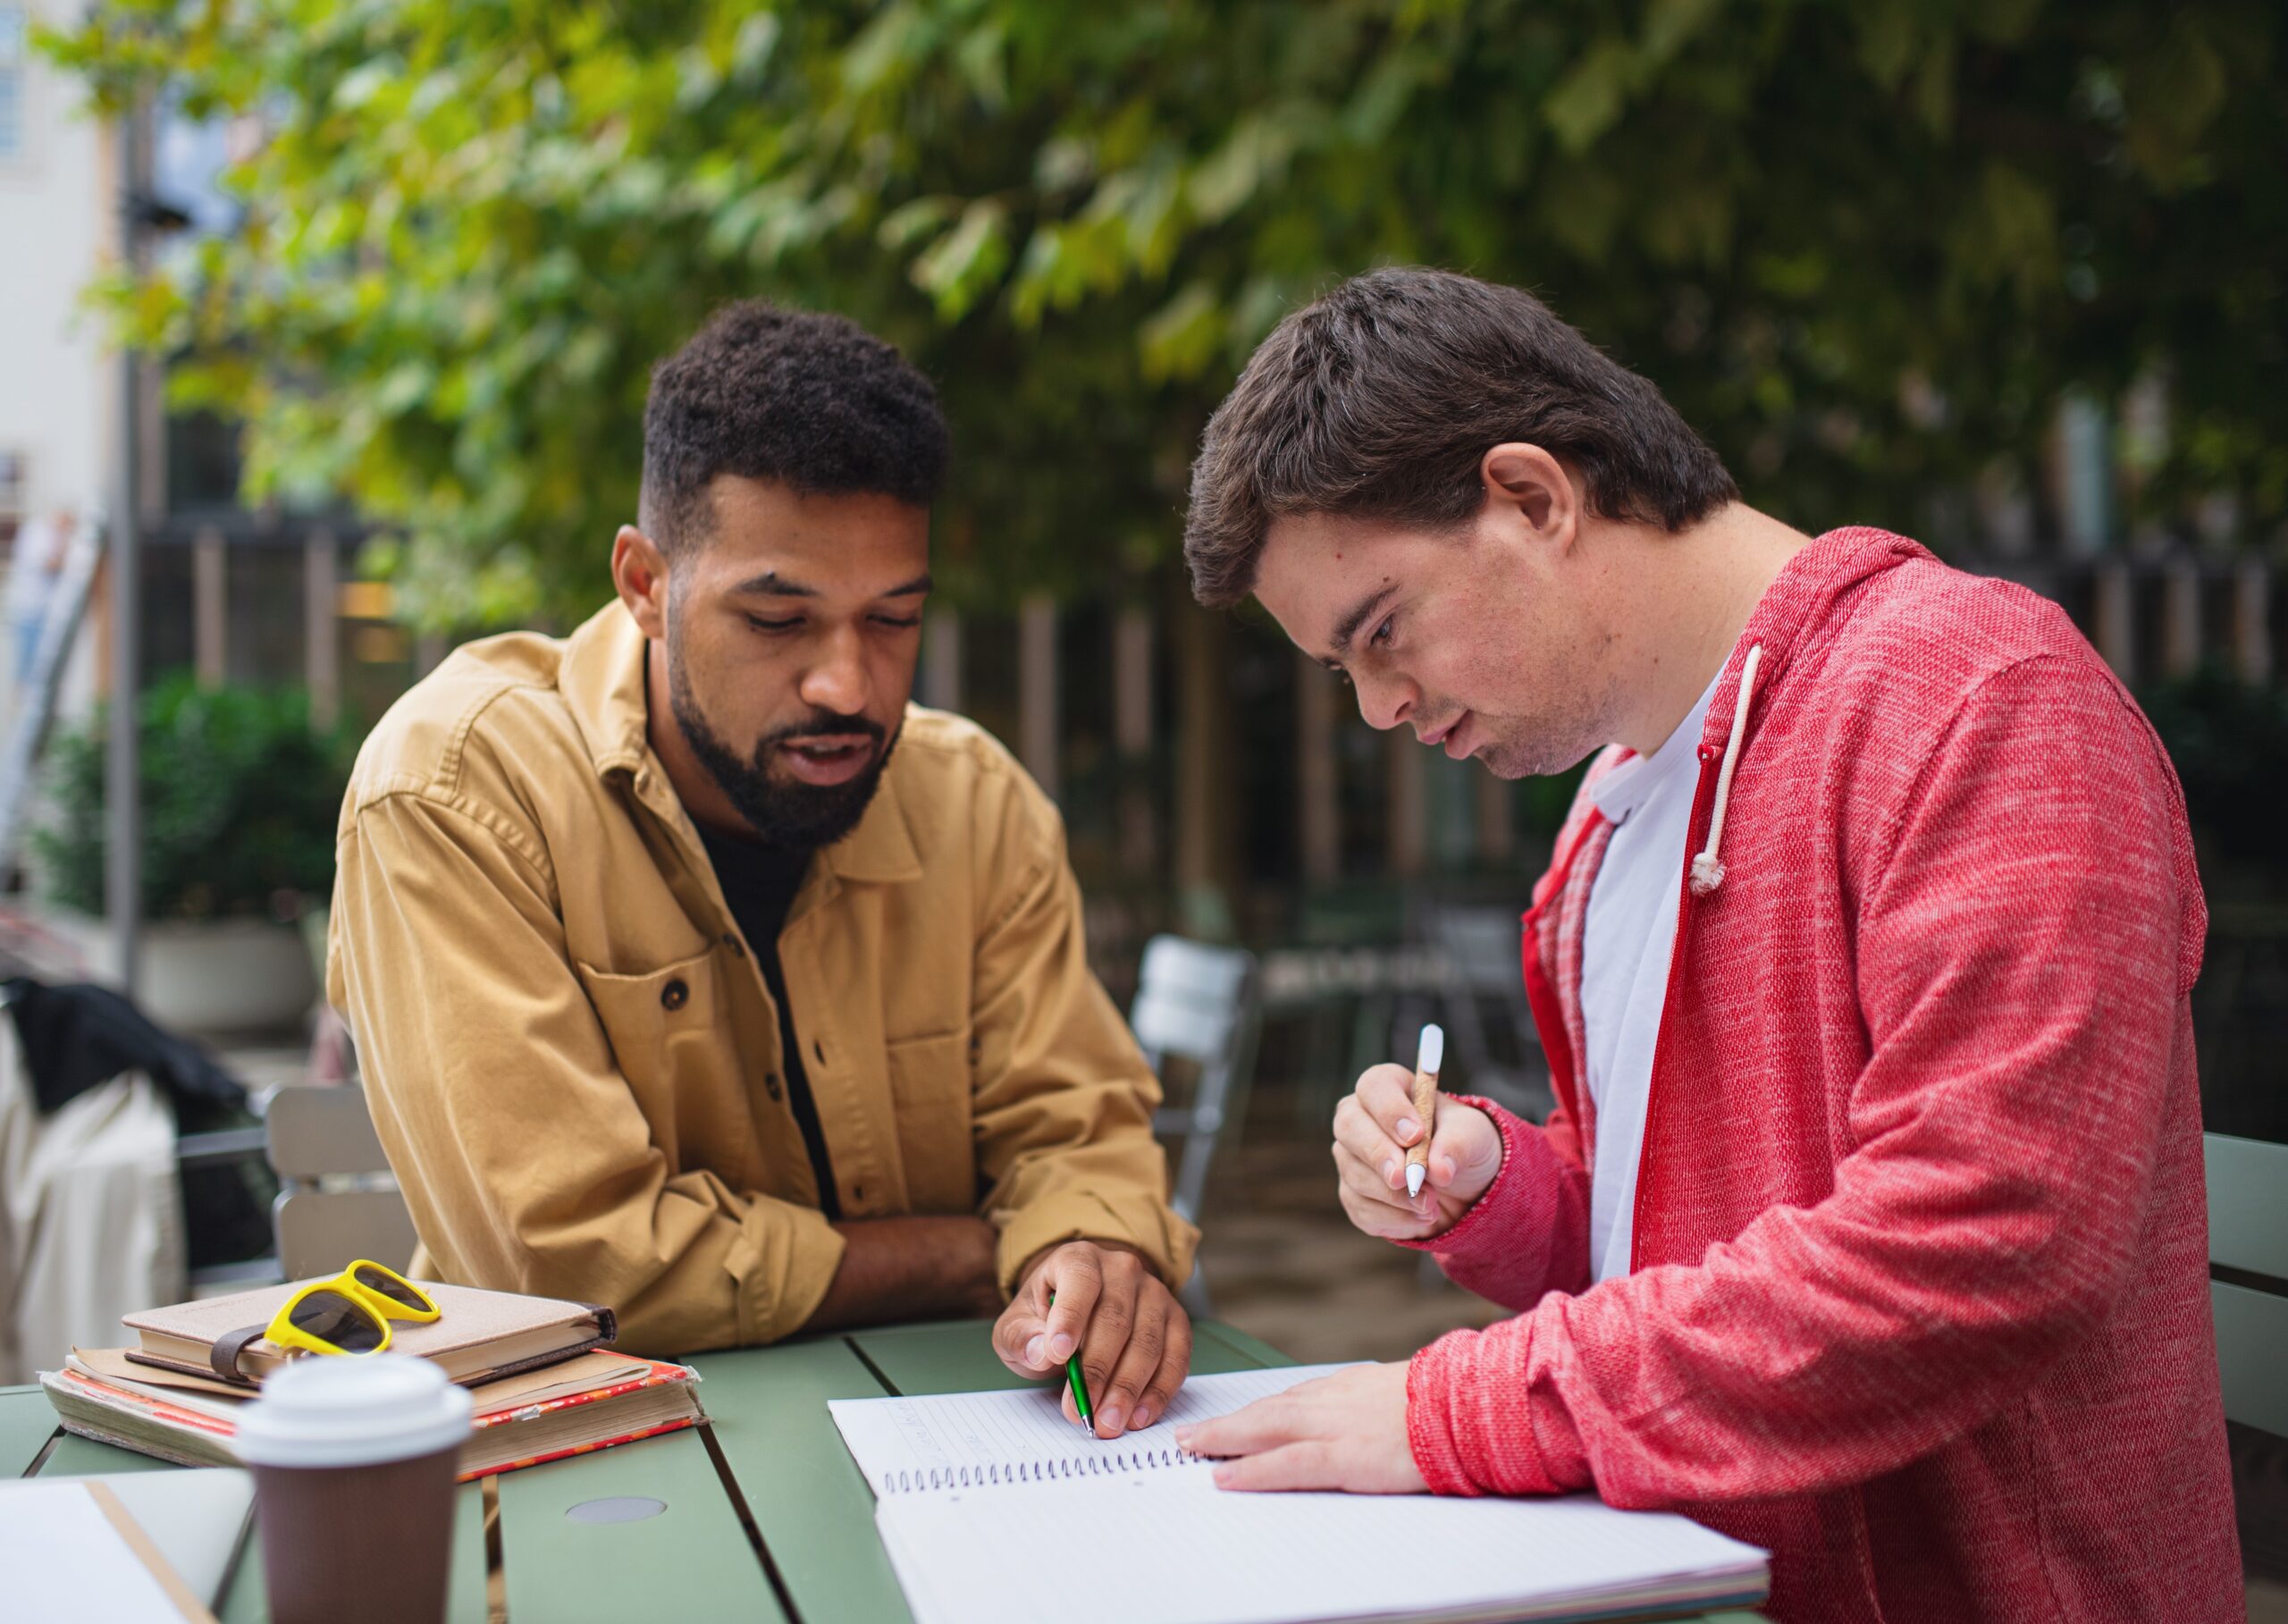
602, 681
1800, 600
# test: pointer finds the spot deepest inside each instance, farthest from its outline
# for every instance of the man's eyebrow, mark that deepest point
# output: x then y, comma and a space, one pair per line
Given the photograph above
1348, 626
771, 584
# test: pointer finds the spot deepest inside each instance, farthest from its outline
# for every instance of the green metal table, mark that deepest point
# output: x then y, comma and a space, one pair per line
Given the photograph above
766, 1517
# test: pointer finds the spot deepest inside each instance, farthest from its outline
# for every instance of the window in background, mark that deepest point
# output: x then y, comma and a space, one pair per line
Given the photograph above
13, 140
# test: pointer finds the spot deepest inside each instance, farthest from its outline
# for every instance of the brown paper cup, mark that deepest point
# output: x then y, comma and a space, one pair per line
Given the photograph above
354, 1460
358, 1544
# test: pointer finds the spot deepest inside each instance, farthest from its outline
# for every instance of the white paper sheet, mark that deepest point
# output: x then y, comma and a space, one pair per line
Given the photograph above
950, 1439
993, 1506
1169, 1547
66, 1564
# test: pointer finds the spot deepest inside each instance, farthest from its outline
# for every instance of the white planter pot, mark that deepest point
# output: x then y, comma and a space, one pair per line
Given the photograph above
237, 975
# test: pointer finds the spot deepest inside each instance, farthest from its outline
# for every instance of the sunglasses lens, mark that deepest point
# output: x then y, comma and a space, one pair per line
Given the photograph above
332, 1317
381, 1281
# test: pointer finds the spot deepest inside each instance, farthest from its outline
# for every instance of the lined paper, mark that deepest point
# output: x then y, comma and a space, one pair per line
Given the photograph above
948, 1439
1188, 1552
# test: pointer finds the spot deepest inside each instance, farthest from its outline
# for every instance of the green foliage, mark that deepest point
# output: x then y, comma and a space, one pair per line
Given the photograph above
1863, 248
241, 792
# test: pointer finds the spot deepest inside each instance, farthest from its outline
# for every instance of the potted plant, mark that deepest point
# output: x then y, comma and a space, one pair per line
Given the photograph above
240, 791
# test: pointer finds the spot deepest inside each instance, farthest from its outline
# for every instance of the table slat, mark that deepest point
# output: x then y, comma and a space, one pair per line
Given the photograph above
77, 1457
27, 1422
464, 1602
813, 1508
1259, 1353
692, 1561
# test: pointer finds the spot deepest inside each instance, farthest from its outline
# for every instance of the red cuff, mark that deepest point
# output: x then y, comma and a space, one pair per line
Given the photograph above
1476, 1418
1486, 1226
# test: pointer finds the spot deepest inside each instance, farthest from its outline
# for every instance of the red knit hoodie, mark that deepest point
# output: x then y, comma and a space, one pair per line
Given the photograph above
1919, 1296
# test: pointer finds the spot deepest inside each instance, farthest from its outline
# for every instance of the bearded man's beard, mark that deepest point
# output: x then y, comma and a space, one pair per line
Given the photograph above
805, 816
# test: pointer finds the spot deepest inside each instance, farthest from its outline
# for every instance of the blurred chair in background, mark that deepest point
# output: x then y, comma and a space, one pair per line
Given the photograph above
2247, 1288
1197, 1004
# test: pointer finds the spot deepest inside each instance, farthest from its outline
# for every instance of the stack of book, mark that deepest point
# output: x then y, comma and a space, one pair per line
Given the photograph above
545, 1382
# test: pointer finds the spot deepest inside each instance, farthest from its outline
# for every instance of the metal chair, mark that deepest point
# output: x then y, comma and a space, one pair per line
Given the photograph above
337, 1201
2248, 1276
1197, 1003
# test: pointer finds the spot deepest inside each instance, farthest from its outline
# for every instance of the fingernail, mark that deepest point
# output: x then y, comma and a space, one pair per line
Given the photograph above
1390, 1171
1112, 1418
1143, 1415
1184, 1437
1060, 1346
1407, 1128
1222, 1477
1033, 1350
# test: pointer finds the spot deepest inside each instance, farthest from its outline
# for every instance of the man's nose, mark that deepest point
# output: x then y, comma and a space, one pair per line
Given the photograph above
1384, 703
836, 680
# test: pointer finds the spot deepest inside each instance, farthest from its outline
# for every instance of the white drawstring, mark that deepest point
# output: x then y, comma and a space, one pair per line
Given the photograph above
1707, 873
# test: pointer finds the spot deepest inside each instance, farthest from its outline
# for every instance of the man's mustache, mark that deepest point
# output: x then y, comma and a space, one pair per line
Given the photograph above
826, 726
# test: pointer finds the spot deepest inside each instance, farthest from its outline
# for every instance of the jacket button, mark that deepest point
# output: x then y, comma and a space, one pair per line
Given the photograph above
674, 994
732, 942
771, 1085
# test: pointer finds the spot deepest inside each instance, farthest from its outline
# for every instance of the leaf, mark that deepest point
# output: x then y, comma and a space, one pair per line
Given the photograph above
1670, 25
1588, 101
1183, 336
2171, 95
962, 264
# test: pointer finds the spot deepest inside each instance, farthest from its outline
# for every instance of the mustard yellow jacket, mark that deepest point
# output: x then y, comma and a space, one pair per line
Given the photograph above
574, 1062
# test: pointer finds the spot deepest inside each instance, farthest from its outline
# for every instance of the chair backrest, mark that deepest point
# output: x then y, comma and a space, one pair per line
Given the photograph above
315, 1131
337, 1201
2247, 1266
1190, 999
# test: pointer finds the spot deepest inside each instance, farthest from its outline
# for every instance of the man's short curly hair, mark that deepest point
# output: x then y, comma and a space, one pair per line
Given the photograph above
814, 401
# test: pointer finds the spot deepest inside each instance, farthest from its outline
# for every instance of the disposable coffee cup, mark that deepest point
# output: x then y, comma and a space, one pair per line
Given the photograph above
354, 1458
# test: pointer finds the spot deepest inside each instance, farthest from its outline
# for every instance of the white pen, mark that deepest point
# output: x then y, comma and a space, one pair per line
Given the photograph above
1425, 1107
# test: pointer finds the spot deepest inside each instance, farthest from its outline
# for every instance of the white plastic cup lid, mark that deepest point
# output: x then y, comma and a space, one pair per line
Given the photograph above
329, 1410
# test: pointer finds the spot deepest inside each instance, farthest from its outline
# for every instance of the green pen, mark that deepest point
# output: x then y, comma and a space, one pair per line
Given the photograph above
1080, 1386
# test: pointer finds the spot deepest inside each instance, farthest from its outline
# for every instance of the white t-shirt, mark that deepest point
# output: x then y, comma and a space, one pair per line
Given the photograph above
1626, 945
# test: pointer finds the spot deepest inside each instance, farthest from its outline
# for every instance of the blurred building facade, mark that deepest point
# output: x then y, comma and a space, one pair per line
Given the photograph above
59, 390
234, 594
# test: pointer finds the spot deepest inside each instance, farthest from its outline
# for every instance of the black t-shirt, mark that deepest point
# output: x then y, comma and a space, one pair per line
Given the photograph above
760, 881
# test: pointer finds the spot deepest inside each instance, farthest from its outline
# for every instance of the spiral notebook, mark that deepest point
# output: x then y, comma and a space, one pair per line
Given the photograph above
993, 1506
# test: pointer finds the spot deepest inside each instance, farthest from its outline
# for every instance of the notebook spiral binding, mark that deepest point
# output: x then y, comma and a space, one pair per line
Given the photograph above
1109, 1464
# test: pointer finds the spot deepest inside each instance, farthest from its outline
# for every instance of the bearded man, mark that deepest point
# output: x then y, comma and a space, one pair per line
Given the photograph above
696, 972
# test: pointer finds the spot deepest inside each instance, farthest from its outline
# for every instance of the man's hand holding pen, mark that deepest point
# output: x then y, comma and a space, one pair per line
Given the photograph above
1132, 1336
1374, 1127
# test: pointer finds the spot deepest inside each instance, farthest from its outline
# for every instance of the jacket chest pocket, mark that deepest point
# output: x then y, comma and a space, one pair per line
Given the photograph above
930, 1090
670, 1035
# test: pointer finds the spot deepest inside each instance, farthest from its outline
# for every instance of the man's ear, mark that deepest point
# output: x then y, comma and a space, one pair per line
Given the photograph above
639, 570
1528, 481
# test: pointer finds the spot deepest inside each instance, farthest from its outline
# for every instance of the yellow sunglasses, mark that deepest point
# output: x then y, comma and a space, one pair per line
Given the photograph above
351, 1312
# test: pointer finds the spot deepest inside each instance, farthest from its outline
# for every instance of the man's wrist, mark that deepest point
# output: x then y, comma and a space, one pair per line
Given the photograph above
1026, 1270
1465, 1218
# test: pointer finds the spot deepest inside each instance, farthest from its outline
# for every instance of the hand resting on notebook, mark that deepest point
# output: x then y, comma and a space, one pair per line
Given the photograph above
1345, 1431
1134, 1338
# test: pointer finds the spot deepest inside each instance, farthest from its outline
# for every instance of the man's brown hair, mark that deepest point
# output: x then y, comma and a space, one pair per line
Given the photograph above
1379, 401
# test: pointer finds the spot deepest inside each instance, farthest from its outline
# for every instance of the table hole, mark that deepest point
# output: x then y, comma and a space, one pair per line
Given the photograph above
616, 1508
